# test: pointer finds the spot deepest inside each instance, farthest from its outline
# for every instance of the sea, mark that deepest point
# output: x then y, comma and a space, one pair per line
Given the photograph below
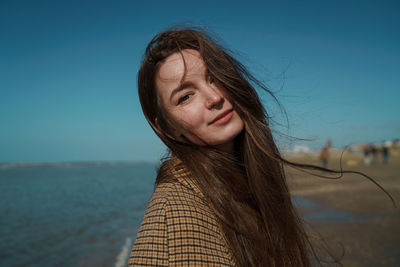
82, 214
72, 214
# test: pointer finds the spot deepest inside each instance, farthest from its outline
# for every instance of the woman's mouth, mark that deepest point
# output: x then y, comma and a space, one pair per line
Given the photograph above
222, 118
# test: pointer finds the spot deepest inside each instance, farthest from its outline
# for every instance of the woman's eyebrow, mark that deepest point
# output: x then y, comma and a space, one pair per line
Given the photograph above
182, 86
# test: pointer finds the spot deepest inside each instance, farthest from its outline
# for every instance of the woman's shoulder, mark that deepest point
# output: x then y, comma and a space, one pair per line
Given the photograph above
181, 187
168, 190
178, 224
174, 178
180, 202
178, 190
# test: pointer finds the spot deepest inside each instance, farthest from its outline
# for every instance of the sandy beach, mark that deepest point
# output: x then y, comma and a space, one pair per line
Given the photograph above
352, 214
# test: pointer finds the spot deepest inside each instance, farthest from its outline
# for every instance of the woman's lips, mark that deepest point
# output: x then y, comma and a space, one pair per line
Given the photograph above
223, 117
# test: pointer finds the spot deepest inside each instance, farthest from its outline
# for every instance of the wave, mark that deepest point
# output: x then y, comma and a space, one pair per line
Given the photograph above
122, 257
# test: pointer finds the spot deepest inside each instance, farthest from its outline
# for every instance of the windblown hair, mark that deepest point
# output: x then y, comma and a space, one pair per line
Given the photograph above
247, 190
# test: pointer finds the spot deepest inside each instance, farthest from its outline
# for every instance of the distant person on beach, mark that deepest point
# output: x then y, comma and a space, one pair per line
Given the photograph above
385, 154
374, 153
366, 151
324, 155
221, 196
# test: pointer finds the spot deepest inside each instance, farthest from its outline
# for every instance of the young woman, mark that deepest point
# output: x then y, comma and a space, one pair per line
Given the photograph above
221, 198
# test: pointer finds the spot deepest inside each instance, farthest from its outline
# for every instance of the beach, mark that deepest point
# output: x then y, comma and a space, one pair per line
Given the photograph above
351, 214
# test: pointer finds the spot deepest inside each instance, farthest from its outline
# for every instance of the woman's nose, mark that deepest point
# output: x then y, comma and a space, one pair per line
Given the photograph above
213, 98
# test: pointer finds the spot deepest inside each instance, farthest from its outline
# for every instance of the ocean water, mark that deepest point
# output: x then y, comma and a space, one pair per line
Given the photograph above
72, 214
84, 214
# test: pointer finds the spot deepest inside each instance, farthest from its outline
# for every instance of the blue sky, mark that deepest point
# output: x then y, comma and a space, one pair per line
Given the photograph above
68, 71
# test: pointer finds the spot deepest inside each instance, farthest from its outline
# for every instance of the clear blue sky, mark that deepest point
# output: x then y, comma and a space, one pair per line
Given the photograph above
68, 71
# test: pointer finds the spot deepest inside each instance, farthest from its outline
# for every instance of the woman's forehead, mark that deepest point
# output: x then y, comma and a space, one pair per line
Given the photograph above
188, 62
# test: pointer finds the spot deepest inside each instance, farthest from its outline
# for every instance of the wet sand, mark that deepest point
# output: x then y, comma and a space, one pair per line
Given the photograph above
352, 214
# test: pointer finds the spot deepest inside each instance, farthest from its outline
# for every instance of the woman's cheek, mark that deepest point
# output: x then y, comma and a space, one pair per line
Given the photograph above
191, 120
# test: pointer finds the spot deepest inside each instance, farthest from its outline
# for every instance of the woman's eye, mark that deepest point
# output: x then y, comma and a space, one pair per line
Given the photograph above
211, 79
183, 99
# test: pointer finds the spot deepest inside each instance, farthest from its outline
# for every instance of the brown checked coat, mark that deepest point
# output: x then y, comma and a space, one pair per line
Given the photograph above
180, 229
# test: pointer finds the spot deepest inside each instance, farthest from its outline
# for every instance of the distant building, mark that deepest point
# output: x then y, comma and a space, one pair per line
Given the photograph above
298, 149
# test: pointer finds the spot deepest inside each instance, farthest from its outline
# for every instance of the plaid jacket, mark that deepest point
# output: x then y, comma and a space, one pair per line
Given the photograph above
180, 229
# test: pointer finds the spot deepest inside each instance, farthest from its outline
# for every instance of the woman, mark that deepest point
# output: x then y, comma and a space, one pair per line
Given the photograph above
221, 198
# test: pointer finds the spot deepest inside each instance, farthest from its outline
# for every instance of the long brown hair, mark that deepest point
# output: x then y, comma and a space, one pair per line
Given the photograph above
248, 189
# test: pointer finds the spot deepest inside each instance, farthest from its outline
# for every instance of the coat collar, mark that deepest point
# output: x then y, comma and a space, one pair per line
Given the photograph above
185, 177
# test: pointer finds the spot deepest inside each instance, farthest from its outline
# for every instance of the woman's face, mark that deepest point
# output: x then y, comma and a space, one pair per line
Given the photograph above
199, 108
